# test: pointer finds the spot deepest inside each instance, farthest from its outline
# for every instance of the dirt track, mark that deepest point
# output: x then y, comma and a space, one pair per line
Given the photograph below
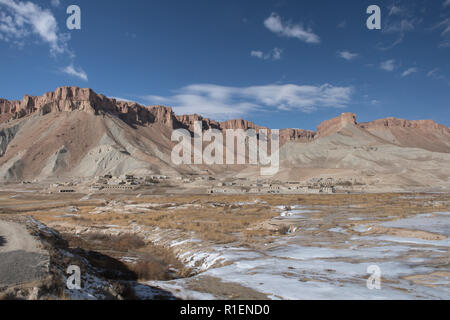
21, 259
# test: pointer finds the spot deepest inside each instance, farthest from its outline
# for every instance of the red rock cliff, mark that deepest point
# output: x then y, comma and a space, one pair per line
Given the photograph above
84, 99
332, 126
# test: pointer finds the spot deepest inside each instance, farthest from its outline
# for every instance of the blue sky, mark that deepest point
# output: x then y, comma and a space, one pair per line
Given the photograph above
282, 64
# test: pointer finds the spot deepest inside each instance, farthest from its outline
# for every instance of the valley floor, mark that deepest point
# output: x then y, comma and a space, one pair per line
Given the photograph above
258, 247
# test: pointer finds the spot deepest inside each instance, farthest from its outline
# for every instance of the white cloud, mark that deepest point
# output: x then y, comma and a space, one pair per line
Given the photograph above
257, 54
347, 55
402, 26
342, 24
131, 35
274, 24
222, 102
388, 65
55, 3
409, 71
446, 3
433, 72
274, 54
444, 44
79, 73
445, 26
20, 19
397, 10
399, 21
436, 74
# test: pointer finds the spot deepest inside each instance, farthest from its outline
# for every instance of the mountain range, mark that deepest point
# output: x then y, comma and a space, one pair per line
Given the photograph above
75, 132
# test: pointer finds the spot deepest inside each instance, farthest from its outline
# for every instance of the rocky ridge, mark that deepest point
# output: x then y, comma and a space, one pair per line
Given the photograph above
75, 132
84, 99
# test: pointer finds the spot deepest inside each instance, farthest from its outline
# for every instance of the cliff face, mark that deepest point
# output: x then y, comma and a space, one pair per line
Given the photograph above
7, 109
74, 132
86, 100
349, 119
424, 134
332, 126
425, 125
286, 135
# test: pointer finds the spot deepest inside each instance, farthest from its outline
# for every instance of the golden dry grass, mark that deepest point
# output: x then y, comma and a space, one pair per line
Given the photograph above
220, 218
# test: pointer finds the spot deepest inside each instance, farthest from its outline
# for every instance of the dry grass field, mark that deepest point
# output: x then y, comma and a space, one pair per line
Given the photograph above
151, 234
218, 218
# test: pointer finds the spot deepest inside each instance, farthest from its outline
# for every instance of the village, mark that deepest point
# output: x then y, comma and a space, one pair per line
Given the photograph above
274, 187
202, 184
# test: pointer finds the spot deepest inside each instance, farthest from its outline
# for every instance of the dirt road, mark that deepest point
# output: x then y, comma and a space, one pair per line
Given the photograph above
21, 259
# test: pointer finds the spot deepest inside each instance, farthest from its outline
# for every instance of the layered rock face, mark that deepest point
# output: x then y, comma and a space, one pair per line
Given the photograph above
86, 100
424, 134
67, 99
75, 132
7, 109
297, 135
425, 125
63, 99
335, 125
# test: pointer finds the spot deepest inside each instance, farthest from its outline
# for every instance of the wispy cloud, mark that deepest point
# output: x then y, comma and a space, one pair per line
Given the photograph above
392, 45
436, 74
55, 3
342, 24
19, 20
388, 65
444, 27
398, 22
446, 3
222, 102
286, 29
395, 10
131, 35
433, 72
408, 72
257, 54
274, 54
75, 72
401, 26
347, 55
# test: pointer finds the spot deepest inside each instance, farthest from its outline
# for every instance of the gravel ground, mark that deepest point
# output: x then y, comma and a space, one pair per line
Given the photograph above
18, 267
21, 259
